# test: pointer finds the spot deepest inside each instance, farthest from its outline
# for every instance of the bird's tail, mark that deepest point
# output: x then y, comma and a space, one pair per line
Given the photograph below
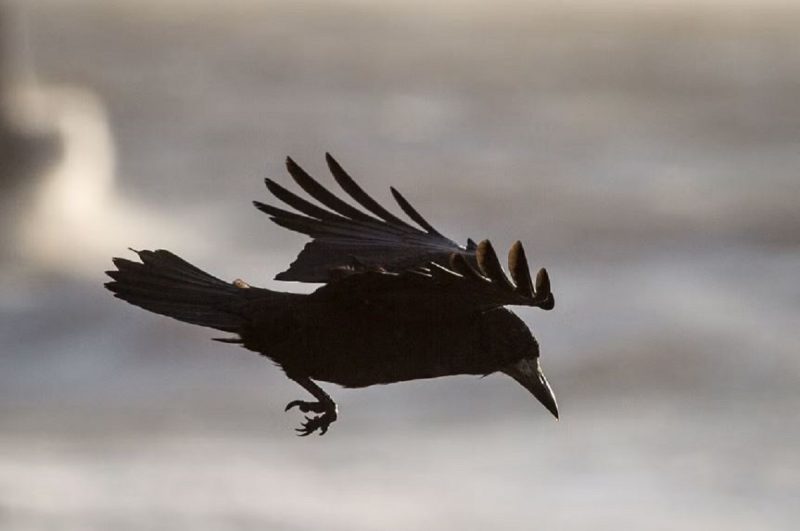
168, 285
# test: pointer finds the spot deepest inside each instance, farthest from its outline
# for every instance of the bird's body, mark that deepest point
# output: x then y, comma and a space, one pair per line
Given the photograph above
398, 303
363, 343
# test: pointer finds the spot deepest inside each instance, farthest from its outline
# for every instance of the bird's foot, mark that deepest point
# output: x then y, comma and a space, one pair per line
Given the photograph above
328, 415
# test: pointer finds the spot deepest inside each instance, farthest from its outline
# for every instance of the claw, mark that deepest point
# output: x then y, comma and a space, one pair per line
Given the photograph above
324, 406
312, 424
306, 407
293, 403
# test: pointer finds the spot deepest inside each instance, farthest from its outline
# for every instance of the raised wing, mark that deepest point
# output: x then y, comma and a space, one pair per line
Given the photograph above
458, 287
344, 236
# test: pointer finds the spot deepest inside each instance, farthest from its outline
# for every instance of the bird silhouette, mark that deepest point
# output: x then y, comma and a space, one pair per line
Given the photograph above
398, 303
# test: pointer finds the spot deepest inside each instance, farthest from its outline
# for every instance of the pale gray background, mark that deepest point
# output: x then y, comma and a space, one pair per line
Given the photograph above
648, 156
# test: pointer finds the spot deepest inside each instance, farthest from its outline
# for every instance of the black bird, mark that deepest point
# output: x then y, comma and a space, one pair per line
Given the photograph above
398, 303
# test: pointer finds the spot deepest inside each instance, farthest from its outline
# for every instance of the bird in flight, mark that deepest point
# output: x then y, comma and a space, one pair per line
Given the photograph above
398, 302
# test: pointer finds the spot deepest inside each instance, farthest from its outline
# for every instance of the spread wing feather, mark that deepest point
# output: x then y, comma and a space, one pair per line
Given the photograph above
342, 234
356, 192
457, 287
413, 214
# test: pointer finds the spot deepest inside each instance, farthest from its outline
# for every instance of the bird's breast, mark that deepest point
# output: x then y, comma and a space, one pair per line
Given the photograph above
378, 346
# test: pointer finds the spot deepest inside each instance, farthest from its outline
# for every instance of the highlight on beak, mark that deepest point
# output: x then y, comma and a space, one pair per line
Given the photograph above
528, 373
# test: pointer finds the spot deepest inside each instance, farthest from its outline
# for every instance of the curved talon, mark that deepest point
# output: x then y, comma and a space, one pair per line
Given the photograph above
306, 407
293, 403
313, 424
303, 430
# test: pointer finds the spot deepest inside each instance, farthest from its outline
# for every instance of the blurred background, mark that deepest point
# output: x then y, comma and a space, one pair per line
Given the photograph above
648, 154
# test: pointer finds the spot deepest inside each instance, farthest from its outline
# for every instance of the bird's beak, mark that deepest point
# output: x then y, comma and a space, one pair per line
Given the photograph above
529, 374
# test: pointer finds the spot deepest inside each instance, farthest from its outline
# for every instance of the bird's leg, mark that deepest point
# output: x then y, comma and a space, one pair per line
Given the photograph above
325, 406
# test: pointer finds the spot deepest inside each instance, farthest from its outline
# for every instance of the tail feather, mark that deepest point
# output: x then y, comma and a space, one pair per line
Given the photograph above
168, 285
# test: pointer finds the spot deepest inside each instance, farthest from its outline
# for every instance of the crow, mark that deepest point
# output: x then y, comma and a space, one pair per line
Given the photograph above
398, 303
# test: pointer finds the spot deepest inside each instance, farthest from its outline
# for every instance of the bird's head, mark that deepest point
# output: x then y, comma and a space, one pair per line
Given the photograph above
508, 338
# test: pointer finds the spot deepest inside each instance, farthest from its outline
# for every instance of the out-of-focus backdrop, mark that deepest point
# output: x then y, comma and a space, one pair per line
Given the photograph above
647, 153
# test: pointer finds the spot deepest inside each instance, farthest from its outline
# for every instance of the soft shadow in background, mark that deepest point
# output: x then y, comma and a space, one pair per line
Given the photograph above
648, 156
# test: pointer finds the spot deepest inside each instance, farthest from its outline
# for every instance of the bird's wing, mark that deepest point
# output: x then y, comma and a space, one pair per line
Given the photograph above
344, 236
459, 287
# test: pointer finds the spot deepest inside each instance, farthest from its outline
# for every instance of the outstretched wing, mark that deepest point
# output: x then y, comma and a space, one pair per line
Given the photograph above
344, 236
457, 287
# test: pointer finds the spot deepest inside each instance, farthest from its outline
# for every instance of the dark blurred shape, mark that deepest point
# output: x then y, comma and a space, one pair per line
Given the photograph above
418, 310
25, 148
